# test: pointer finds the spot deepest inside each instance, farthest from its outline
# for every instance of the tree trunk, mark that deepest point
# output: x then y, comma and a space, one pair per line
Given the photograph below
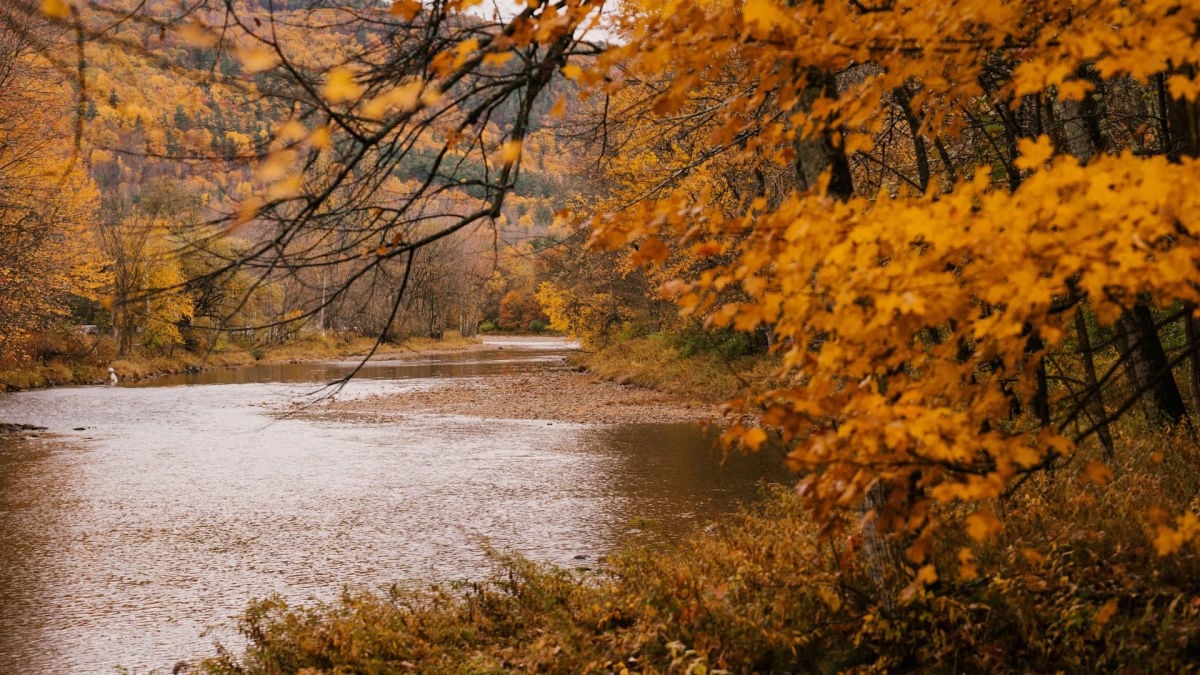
824, 152
1192, 328
1093, 396
1148, 366
1182, 121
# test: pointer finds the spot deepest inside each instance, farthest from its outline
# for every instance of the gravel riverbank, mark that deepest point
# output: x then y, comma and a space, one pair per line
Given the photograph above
566, 396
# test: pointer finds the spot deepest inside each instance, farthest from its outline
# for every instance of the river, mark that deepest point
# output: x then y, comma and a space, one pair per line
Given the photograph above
149, 514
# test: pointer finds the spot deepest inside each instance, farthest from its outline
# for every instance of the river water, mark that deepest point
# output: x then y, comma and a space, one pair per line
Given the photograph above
150, 514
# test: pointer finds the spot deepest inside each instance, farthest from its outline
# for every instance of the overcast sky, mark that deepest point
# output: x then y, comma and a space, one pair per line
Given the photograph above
509, 8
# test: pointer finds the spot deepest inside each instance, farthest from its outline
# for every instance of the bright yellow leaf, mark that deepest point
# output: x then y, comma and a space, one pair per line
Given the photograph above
927, 575
497, 58
572, 72
754, 438
198, 35
257, 59
763, 16
340, 85
1182, 86
1034, 153
983, 526
321, 138
56, 9
510, 152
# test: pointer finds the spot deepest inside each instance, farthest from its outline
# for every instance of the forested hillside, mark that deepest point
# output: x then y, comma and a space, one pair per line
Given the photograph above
159, 134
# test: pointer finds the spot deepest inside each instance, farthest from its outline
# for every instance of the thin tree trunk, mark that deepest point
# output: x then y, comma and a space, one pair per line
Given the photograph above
1192, 328
914, 127
1093, 393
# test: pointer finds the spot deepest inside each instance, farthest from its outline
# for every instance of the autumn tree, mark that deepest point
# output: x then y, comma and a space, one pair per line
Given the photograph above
148, 301
944, 191
47, 256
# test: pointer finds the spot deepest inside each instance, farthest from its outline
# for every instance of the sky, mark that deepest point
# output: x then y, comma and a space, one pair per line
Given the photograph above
508, 8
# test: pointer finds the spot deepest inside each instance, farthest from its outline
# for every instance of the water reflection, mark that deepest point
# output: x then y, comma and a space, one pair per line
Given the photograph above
173, 505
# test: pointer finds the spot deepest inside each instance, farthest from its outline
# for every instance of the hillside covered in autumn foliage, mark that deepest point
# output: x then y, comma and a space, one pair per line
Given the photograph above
136, 153
964, 235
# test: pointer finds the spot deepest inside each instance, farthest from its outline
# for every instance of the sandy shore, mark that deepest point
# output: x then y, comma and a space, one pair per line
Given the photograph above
566, 396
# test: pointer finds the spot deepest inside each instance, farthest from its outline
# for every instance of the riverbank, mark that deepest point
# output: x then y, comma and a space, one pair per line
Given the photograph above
659, 362
91, 367
567, 396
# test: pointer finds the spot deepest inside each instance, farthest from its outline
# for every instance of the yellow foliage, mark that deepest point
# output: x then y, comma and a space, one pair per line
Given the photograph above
257, 59
56, 9
341, 85
903, 315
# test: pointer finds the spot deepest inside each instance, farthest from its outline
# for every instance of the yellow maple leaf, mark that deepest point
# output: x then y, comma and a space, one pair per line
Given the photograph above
754, 438
405, 98
1097, 472
1074, 90
56, 9
198, 35
1033, 556
967, 569
982, 526
289, 131
927, 575
763, 16
340, 85
248, 210
257, 59
321, 138
277, 166
572, 72
510, 152
1034, 153
497, 58
1167, 540
286, 188
406, 9
463, 51
1182, 86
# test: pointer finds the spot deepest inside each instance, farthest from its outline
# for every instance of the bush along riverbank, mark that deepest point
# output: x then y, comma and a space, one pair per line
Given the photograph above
1072, 583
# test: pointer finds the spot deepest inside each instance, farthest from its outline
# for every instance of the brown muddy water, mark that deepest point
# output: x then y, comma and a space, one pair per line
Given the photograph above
149, 515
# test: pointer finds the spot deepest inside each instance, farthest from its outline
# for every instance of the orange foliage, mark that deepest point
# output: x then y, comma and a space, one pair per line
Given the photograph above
914, 312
